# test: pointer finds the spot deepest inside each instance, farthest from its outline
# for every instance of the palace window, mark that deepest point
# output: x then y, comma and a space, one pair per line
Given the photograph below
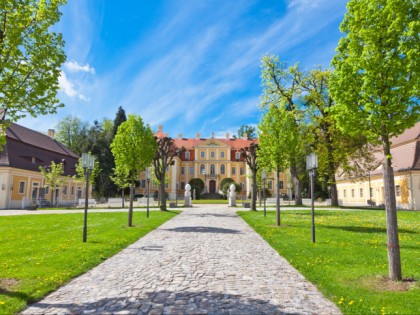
65, 190
212, 154
182, 185
344, 193
212, 172
398, 190
182, 170
202, 169
281, 185
371, 192
47, 189
237, 155
233, 170
222, 154
72, 190
191, 170
361, 192
270, 184
241, 170
187, 155
21, 187
352, 193
79, 192
222, 169
202, 154
143, 183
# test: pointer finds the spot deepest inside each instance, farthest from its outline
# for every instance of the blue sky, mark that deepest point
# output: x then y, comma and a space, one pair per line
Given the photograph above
190, 65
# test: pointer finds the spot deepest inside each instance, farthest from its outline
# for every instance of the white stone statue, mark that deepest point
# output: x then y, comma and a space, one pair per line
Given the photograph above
187, 195
232, 195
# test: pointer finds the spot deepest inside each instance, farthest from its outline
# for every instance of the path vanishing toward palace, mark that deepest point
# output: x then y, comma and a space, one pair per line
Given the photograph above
206, 260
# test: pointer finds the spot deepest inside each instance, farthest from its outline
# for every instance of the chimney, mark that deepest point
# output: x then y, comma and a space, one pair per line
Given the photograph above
198, 135
160, 127
180, 136
227, 136
212, 134
51, 133
245, 136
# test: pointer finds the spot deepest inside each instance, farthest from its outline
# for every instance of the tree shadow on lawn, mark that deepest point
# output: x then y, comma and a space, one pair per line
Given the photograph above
167, 302
365, 229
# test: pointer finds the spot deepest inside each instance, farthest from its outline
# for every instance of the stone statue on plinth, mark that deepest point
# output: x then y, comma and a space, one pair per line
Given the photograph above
232, 195
187, 194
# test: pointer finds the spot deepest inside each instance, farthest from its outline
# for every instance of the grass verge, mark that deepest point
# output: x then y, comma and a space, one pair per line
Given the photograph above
348, 262
39, 253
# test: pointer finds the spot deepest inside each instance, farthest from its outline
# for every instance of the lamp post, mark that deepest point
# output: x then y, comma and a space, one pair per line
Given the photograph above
88, 163
264, 176
311, 165
148, 190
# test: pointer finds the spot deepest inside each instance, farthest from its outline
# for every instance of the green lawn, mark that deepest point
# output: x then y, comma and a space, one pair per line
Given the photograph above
38, 253
348, 262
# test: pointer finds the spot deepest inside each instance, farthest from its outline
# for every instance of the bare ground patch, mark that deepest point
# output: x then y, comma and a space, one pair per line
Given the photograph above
382, 283
8, 283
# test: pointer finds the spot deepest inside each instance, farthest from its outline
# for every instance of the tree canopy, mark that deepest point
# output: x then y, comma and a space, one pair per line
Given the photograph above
31, 55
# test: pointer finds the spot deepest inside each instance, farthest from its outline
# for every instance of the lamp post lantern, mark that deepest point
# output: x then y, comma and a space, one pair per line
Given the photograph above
148, 190
311, 166
264, 176
88, 163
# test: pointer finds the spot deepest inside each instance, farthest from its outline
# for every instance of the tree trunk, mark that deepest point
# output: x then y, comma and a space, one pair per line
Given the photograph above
394, 259
278, 196
130, 208
162, 193
297, 184
333, 194
254, 191
122, 195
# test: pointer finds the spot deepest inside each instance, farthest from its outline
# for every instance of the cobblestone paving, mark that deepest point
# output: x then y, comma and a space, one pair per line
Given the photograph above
206, 260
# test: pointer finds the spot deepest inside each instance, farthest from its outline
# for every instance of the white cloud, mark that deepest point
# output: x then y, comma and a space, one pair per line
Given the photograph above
74, 66
68, 87
303, 3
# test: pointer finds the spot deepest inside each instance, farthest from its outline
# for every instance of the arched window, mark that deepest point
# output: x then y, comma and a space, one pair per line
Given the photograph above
202, 169
222, 169
212, 169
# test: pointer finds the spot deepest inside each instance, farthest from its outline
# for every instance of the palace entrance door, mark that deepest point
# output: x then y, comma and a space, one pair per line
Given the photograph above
212, 186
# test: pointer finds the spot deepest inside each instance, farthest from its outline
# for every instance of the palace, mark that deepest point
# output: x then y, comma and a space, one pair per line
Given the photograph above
211, 160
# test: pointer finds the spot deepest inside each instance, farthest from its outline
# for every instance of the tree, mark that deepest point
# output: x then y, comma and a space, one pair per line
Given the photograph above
163, 158
249, 131
281, 88
53, 176
72, 132
197, 185
119, 119
278, 141
31, 55
122, 180
133, 148
249, 155
376, 86
226, 186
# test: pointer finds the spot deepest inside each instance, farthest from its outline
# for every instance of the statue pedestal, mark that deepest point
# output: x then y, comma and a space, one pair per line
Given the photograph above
232, 201
188, 202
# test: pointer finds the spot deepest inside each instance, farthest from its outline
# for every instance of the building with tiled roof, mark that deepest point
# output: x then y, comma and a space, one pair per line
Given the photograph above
21, 182
405, 152
210, 159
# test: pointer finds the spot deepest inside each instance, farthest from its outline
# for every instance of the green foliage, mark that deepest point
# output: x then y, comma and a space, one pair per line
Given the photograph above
80, 177
133, 146
376, 79
249, 131
197, 184
225, 181
119, 119
73, 133
53, 176
347, 261
31, 55
43, 252
121, 178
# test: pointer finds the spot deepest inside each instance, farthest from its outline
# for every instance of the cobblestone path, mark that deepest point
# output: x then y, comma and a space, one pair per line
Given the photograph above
206, 260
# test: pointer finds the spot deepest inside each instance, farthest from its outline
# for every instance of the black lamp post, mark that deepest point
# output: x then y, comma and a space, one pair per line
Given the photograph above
148, 190
88, 163
264, 176
311, 165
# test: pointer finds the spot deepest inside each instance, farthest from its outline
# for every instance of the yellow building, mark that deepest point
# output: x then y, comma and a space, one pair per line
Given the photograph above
211, 160
21, 182
405, 152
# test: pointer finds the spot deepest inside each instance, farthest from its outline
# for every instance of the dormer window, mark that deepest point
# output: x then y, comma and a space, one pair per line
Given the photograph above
33, 160
237, 155
187, 155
